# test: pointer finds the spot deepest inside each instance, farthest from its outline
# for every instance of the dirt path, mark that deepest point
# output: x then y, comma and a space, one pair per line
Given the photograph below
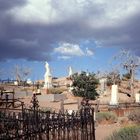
102, 131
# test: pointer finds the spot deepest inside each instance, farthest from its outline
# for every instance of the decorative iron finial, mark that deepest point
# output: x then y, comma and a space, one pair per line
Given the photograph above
35, 103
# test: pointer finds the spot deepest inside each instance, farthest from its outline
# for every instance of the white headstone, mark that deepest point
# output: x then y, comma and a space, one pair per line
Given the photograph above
114, 95
47, 77
70, 88
16, 83
29, 81
137, 97
38, 91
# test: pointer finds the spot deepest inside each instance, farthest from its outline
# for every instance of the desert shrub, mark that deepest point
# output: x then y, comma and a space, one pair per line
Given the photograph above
126, 133
135, 116
106, 117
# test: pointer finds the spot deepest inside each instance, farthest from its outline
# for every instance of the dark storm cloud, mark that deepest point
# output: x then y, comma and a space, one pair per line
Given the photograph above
133, 29
31, 52
125, 35
22, 41
34, 42
7, 4
19, 40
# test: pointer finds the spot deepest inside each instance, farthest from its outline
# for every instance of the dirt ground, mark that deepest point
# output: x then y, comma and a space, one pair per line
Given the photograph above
103, 131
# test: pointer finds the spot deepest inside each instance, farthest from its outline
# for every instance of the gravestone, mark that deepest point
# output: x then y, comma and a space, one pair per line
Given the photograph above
137, 97
29, 81
16, 83
103, 85
114, 95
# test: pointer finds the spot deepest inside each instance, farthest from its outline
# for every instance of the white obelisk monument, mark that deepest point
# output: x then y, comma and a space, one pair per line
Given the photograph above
70, 74
114, 95
47, 77
70, 71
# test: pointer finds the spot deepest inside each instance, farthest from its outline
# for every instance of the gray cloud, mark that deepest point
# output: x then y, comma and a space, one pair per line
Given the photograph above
35, 41
125, 35
8, 4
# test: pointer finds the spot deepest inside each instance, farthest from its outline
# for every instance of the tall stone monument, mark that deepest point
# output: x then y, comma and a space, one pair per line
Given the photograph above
70, 71
70, 74
47, 77
103, 82
114, 95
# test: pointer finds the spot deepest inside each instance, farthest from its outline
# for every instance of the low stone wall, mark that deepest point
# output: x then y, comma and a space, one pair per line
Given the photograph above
51, 97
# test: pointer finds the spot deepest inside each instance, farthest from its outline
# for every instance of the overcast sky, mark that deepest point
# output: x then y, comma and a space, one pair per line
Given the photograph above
80, 33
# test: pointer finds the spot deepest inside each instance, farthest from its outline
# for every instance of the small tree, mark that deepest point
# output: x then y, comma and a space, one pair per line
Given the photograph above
131, 63
113, 77
21, 73
85, 85
16, 73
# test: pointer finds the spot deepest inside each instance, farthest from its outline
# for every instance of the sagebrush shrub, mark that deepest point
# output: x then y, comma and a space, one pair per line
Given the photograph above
106, 116
135, 116
126, 133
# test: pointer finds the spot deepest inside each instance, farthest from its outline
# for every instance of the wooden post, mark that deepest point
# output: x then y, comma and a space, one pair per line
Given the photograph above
79, 104
93, 124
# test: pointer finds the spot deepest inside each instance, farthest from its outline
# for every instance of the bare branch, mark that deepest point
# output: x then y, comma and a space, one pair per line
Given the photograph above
21, 73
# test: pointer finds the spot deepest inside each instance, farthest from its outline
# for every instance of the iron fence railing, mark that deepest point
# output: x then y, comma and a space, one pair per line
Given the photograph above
34, 124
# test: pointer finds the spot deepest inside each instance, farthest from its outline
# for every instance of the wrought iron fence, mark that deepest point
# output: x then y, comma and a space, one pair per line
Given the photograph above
34, 124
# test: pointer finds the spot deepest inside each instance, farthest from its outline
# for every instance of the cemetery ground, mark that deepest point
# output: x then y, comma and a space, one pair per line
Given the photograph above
102, 129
